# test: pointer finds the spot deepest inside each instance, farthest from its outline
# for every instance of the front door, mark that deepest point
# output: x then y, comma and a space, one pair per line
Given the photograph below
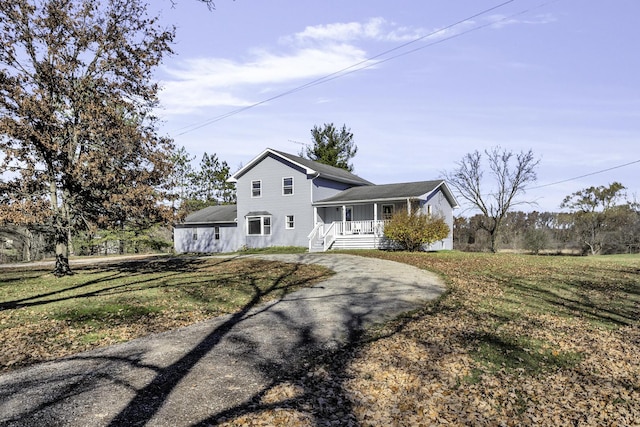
387, 212
348, 213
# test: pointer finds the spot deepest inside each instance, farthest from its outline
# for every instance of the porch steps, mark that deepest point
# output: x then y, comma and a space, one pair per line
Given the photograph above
367, 241
317, 246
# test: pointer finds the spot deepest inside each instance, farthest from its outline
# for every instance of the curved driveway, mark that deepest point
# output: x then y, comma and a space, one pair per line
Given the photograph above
191, 375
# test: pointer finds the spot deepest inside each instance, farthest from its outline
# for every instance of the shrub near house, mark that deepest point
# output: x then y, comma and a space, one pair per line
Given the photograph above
415, 231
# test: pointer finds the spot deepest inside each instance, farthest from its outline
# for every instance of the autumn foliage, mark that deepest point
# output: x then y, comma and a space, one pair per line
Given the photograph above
415, 231
78, 142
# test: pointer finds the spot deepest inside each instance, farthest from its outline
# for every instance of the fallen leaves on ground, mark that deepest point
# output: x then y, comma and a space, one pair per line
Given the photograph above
516, 341
480, 356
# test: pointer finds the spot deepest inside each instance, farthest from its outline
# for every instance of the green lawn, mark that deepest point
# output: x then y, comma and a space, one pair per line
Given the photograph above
42, 316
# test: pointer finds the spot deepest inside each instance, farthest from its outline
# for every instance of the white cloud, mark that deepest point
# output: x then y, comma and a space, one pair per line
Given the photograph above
315, 52
210, 82
500, 21
377, 29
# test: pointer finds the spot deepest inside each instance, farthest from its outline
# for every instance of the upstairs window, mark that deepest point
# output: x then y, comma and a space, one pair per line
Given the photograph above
287, 186
256, 188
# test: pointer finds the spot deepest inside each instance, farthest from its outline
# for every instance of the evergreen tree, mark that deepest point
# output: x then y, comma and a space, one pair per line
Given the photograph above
332, 146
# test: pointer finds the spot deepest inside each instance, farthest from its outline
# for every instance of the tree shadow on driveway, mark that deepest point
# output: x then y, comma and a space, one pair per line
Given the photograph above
227, 367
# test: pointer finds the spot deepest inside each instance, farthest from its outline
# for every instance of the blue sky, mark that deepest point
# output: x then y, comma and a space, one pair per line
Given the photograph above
558, 77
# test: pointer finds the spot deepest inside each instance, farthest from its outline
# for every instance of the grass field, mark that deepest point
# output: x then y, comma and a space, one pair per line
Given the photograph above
516, 340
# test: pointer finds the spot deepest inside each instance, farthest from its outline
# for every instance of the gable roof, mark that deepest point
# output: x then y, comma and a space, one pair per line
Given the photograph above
311, 167
213, 215
377, 193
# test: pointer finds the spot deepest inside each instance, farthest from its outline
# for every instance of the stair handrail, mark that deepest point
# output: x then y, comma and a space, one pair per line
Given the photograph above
330, 236
314, 234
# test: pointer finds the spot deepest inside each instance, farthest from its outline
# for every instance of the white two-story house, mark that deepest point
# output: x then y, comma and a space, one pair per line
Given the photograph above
287, 200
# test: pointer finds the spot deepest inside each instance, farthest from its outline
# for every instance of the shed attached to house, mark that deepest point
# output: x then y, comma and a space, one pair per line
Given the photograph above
212, 229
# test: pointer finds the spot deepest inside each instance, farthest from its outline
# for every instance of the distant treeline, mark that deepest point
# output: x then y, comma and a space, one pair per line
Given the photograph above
588, 233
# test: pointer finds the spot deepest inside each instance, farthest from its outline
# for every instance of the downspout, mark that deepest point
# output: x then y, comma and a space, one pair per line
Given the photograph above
315, 208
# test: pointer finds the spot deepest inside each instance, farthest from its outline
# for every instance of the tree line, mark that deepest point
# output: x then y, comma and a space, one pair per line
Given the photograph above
599, 220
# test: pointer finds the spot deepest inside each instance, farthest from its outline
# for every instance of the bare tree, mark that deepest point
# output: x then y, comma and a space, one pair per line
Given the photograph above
510, 172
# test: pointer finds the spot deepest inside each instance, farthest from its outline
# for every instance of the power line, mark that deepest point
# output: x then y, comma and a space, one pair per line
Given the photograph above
584, 176
367, 63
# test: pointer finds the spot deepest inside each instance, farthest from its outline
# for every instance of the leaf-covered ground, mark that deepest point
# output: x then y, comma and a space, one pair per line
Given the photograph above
518, 340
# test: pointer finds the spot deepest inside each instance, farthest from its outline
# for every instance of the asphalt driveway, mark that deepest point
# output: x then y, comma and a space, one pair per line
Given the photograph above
190, 376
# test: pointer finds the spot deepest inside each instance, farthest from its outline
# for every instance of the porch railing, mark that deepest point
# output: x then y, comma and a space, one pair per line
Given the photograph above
315, 234
360, 227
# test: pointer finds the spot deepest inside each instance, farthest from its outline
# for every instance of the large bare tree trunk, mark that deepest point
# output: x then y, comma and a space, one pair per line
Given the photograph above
62, 267
62, 232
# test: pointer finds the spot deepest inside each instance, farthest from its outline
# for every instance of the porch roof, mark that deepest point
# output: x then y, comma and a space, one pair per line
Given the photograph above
388, 192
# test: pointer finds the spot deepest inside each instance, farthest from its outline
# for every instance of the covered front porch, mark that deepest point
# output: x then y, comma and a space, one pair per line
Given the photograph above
354, 226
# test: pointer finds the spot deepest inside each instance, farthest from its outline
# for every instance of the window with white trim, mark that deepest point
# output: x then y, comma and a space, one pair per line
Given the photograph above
290, 223
256, 188
194, 234
258, 225
287, 186
216, 233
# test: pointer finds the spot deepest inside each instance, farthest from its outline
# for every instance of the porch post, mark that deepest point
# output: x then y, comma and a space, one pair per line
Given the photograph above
375, 213
344, 218
408, 206
315, 215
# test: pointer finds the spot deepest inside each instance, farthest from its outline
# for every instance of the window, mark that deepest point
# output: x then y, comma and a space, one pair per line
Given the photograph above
259, 225
254, 225
387, 212
194, 235
256, 188
290, 223
348, 213
216, 233
429, 210
287, 186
